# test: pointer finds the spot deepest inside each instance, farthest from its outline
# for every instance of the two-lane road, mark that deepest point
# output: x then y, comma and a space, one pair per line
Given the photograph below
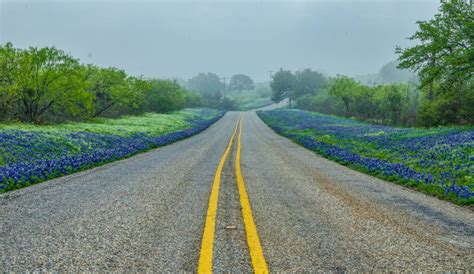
149, 213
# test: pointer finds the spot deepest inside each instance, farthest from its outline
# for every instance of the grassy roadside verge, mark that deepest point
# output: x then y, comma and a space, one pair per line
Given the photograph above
31, 154
437, 161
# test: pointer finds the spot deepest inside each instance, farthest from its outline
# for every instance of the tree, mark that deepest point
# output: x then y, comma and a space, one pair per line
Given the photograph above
411, 103
112, 88
8, 70
135, 95
321, 102
263, 90
283, 84
208, 85
241, 82
46, 78
444, 60
9, 63
390, 73
48, 85
393, 99
364, 105
309, 82
227, 104
193, 99
343, 87
165, 96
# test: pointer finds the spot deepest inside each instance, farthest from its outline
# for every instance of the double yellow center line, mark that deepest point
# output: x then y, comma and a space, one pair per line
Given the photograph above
256, 252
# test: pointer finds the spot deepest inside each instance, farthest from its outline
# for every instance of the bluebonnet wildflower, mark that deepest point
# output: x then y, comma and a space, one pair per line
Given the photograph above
441, 158
33, 156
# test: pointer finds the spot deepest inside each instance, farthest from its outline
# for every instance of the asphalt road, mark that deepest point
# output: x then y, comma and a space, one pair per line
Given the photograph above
148, 213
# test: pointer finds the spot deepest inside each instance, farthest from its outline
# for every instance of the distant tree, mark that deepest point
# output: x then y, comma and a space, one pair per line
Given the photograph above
321, 102
208, 85
227, 104
394, 104
444, 60
241, 82
263, 90
309, 82
283, 85
343, 88
390, 73
182, 82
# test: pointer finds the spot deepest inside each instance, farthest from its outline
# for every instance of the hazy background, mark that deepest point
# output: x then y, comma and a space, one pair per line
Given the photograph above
182, 38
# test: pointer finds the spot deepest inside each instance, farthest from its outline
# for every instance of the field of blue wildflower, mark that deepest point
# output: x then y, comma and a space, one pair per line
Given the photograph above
30, 154
437, 161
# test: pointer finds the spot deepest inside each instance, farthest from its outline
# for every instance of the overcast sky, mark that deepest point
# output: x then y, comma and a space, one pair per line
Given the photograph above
182, 38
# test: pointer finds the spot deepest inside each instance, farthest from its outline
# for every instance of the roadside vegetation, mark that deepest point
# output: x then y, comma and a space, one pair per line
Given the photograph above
50, 102
389, 104
47, 85
440, 93
431, 87
436, 161
59, 116
33, 153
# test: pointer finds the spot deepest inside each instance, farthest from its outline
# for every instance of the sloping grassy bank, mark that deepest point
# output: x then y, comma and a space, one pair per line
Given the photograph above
249, 99
437, 161
255, 103
30, 154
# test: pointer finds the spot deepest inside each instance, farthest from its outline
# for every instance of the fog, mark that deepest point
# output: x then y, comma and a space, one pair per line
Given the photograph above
183, 38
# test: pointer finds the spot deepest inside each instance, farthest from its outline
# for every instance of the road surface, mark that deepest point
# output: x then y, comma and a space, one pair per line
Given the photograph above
151, 212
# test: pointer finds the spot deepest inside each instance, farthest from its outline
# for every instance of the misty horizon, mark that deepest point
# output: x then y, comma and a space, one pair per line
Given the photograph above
182, 39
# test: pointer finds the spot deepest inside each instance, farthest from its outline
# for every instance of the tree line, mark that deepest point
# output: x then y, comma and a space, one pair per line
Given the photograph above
48, 85
444, 61
389, 104
442, 94
394, 104
213, 89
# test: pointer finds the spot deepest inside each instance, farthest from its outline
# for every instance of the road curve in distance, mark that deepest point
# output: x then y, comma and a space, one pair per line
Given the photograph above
147, 213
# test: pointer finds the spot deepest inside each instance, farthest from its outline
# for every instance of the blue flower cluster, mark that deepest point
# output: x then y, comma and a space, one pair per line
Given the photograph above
439, 161
45, 158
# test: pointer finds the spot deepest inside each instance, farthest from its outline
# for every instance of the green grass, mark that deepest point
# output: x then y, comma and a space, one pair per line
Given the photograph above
149, 123
35, 153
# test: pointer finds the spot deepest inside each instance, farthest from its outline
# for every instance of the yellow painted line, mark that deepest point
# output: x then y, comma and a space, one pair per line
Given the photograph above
205, 256
256, 252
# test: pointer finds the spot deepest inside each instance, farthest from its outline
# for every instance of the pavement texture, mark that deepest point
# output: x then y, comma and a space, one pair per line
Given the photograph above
147, 213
